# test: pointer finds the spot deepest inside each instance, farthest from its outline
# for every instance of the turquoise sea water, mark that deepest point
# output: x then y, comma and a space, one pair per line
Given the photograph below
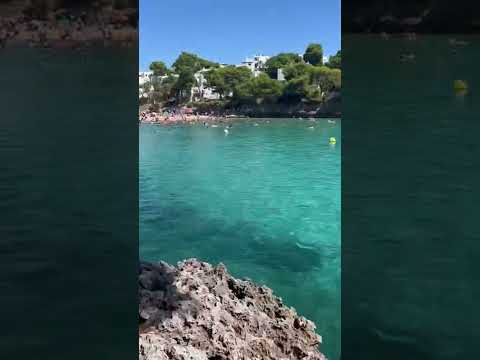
264, 200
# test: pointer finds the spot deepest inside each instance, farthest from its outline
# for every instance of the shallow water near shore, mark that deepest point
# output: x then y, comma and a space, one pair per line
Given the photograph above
264, 199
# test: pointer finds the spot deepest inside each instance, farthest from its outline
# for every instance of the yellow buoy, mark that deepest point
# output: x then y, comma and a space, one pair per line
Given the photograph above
460, 85
332, 140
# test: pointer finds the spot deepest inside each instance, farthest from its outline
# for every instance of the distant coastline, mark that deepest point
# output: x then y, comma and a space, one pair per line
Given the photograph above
285, 85
212, 115
208, 120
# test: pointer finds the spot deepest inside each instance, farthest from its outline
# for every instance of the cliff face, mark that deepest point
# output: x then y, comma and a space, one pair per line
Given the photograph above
196, 311
332, 107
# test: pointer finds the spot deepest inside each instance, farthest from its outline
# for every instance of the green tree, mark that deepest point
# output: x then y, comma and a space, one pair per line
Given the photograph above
265, 88
335, 61
335, 76
146, 86
296, 89
216, 81
318, 74
314, 54
234, 76
279, 62
325, 78
224, 80
166, 88
187, 62
259, 89
159, 68
295, 70
183, 86
243, 93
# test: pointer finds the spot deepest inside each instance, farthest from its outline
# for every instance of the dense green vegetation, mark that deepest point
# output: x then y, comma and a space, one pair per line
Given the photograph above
307, 79
225, 80
159, 68
335, 60
314, 54
280, 61
187, 62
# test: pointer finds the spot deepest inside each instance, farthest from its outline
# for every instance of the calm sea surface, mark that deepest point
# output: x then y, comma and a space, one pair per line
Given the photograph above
69, 203
264, 200
410, 175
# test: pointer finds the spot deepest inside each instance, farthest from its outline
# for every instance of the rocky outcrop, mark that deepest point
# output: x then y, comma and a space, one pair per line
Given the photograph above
330, 108
197, 311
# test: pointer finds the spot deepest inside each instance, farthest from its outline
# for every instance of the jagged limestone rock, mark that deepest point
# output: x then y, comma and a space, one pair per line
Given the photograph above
197, 311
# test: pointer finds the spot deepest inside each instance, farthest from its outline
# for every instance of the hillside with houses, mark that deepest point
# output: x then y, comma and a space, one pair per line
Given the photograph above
284, 84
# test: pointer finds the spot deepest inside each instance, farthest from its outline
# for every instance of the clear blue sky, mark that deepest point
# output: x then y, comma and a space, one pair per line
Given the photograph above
227, 31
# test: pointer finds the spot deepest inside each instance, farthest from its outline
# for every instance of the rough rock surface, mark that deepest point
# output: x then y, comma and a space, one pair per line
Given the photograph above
199, 312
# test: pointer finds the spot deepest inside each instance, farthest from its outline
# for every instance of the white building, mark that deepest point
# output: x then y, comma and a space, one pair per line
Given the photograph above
255, 64
144, 76
201, 90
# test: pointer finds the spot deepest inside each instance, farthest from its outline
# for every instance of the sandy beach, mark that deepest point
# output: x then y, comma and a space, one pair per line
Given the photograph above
149, 117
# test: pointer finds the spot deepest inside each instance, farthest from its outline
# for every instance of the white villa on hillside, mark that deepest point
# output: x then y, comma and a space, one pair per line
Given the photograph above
144, 76
255, 64
201, 89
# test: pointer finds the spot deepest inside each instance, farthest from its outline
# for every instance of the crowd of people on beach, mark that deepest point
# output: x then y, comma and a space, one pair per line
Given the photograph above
67, 27
179, 116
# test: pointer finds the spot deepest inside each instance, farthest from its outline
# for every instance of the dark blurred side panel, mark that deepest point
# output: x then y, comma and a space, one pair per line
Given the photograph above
68, 180
426, 16
410, 200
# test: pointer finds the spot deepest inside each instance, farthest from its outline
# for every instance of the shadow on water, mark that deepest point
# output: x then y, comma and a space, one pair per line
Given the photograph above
284, 254
212, 240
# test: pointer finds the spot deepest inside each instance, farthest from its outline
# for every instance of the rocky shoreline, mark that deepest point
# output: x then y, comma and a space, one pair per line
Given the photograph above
215, 113
197, 311
209, 120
